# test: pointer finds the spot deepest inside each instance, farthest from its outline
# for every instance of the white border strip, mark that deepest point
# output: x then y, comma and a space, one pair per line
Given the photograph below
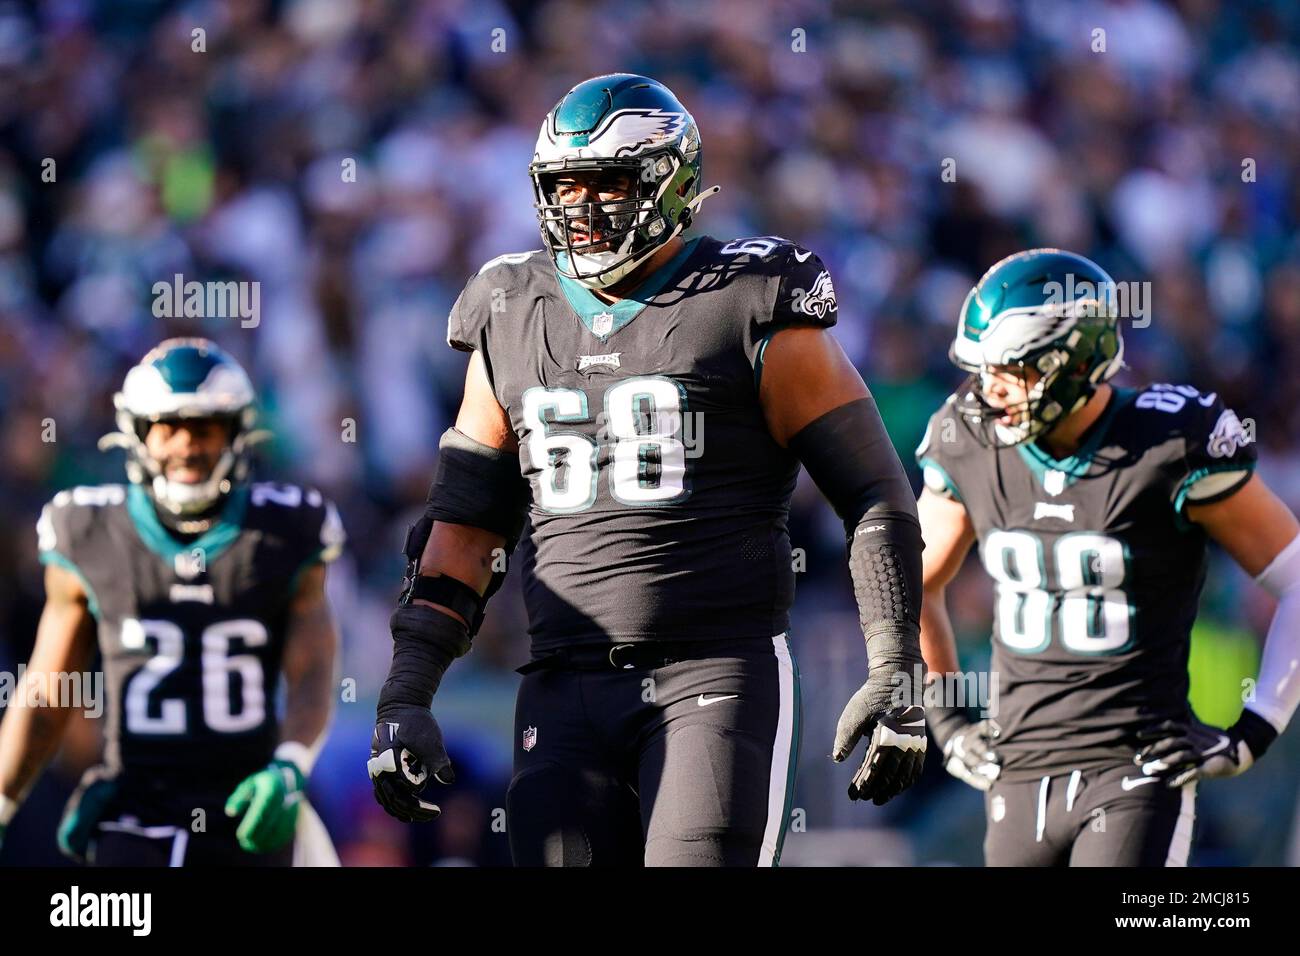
779, 776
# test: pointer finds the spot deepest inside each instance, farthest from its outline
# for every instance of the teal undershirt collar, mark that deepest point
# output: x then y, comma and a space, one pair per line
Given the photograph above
1074, 466
587, 306
212, 543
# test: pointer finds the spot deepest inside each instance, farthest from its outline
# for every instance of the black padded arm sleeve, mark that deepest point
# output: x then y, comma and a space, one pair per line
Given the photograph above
850, 457
477, 485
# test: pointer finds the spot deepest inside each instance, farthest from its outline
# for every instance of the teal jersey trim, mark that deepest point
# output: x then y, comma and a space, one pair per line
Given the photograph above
758, 360
1185, 486
587, 306
951, 485
316, 558
53, 557
213, 542
1074, 467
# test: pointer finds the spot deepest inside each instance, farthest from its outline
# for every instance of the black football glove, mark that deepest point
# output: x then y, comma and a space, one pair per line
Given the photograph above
405, 752
407, 747
1179, 751
896, 754
969, 756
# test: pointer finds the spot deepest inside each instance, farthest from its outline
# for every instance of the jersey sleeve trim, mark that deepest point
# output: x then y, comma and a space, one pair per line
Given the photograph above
1182, 496
59, 560
949, 487
758, 359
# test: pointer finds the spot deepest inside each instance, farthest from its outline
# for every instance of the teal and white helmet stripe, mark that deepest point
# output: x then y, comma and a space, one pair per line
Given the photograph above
185, 378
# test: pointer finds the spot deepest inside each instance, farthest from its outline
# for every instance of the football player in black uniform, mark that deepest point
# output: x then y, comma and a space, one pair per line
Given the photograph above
645, 400
202, 589
1092, 506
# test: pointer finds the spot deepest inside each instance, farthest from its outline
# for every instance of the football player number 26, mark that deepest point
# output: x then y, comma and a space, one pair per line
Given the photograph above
644, 419
1085, 604
220, 672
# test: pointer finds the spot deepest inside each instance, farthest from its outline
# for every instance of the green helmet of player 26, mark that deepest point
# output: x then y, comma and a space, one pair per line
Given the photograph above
1045, 310
185, 378
608, 127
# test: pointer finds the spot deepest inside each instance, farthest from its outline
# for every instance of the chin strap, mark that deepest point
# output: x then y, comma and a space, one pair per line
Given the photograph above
694, 205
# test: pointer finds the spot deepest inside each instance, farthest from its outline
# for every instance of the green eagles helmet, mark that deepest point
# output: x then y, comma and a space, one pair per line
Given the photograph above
1044, 309
185, 378
620, 123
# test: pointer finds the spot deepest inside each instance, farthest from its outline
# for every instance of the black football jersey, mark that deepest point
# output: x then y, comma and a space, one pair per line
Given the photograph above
191, 633
1097, 572
659, 499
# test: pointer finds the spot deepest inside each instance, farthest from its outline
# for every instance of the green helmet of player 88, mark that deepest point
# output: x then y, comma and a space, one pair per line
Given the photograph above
1049, 316
185, 378
619, 125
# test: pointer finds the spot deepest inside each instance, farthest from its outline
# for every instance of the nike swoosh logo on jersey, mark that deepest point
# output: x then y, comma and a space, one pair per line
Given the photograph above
1221, 745
1128, 784
705, 701
802, 257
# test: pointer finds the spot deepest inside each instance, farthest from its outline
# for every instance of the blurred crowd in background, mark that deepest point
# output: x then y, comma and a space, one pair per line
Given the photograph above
1172, 156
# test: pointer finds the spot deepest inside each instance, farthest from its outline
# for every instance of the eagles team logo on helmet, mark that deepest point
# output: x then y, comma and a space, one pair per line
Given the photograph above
620, 123
1045, 309
179, 379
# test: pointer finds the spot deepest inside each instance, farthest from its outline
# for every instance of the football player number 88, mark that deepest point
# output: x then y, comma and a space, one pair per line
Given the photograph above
218, 666
1091, 610
644, 418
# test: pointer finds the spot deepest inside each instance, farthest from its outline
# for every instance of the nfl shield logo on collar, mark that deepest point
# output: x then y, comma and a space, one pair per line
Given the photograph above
602, 323
530, 738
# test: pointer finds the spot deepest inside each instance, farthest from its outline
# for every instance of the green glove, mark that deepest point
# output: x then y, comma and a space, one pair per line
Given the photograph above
269, 801
84, 811
3, 828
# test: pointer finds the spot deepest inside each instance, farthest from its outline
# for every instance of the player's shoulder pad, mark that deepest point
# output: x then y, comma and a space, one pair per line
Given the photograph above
1210, 452
69, 519
302, 516
944, 448
486, 293
800, 287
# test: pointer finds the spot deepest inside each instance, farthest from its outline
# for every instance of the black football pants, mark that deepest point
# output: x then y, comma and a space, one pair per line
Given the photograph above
688, 763
152, 823
1111, 816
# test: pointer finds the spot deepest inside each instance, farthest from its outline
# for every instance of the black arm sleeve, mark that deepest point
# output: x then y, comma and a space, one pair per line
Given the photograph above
850, 457
477, 485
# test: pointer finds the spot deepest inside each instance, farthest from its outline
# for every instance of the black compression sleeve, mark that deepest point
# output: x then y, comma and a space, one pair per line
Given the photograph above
850, 457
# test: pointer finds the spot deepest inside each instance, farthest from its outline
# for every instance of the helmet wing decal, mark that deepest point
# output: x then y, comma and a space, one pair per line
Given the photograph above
628, 132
